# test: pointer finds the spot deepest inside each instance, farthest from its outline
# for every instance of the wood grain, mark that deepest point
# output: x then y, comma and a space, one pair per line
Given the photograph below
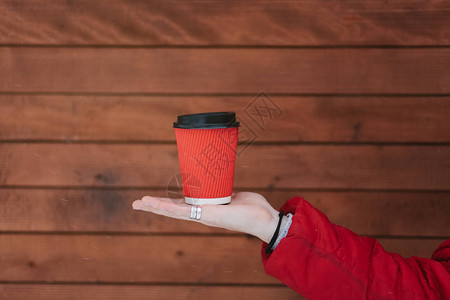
225, 23
149, 259
376, 214
310, 71
302, 166
140, 292
302, 119
159, 259
111, 76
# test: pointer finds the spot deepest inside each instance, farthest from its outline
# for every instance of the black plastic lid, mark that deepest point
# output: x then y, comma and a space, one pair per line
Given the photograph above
208, 120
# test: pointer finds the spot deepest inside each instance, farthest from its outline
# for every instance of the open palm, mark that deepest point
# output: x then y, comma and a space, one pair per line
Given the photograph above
248, 212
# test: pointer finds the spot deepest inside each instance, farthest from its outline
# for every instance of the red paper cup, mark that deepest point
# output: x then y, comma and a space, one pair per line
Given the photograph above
207, 152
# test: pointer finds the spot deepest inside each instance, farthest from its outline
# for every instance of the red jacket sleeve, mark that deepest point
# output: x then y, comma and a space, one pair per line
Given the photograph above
321, 260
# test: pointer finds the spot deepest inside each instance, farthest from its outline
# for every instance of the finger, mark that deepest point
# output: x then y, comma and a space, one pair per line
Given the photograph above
137, 204
164, 206
168, 212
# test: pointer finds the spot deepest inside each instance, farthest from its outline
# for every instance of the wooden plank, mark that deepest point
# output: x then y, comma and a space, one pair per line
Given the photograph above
309, 119
211, 23
140, 292
148, 259
135, 259
421, 248
138, 70
258, 166
378, 214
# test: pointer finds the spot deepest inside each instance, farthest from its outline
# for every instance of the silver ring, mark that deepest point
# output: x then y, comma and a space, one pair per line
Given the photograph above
199, 213
193, 211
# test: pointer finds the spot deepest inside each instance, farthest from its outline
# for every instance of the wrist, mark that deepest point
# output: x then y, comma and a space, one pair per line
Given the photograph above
271, 226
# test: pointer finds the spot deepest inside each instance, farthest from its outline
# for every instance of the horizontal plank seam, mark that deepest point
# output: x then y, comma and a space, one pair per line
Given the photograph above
167, 94
261, 189
255, 143
224, 46
198, 234
125, 283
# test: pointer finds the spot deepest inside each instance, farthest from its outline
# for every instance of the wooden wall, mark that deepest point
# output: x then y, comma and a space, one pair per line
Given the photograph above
88, 93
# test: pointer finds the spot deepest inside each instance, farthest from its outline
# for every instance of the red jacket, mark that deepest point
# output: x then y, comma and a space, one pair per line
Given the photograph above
321, 260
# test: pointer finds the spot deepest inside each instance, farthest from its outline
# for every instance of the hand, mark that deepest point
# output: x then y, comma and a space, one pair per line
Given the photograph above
248, 212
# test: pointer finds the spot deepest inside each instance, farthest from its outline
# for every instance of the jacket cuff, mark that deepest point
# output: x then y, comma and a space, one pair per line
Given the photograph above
291, 206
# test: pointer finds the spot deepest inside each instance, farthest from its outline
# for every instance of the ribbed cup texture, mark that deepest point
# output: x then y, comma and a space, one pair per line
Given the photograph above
207, 158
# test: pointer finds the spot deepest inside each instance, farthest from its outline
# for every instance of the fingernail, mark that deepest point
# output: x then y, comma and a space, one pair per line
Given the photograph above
137, 205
